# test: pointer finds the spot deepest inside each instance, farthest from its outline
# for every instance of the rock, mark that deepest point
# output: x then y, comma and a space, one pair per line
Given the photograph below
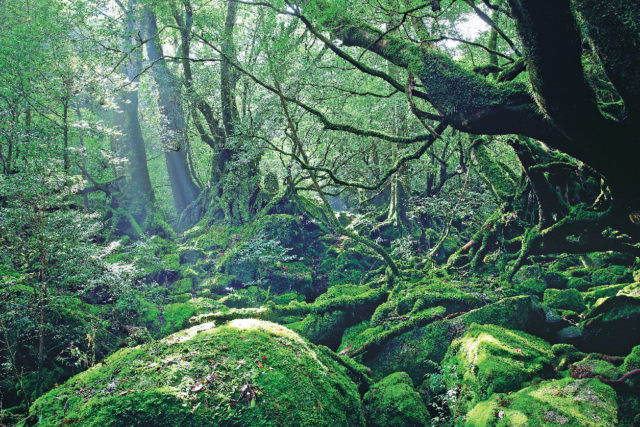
570, 335
554, 280
579, 283
490, 359
533, 286
410, 351
570, 402
612, 325
247, 372
327, 328
567, 299
611, 275
632, 361
393, 402
592, 367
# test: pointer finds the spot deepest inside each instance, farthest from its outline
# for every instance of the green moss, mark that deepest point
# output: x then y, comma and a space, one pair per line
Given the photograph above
566, 354
171, 262
219, 283
326, 327
632, 361
611, 275
393, 402
567, 299
582, 402
184, 285
595, 366
412, 351
596, 293
612, 325
245, 373
490, 359
527, 272
531, 286
554, 279
191, 255
579, 283
287, 277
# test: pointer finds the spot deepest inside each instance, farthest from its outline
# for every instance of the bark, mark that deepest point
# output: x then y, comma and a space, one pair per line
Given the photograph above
174, 135
139, 196
564, 114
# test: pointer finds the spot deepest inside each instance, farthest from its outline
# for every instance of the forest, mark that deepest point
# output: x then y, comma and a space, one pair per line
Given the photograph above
319, 213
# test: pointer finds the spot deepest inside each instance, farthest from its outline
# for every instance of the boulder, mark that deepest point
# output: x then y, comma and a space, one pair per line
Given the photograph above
491, 359
569, 402
247, 372
393, 402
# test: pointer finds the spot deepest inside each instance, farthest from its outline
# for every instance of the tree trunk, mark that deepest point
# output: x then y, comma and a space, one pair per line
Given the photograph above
139, 196
174, 136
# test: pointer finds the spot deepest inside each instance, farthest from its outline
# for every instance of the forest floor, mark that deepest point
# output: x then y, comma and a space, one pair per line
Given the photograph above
285, 323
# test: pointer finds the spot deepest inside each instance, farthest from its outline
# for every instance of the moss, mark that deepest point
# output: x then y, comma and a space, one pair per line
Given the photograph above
184, 285
554, 280
191, 255
611, 275
612, 325
171, 262
287, 277
422, 295
394, 402
632, 361
245, 373
579, 283
570, 402
159, 226
413, 350
490, 359
595, 366
327, 327
566, 354
219, 284
527, 272
598, 292
567, 299
531, 286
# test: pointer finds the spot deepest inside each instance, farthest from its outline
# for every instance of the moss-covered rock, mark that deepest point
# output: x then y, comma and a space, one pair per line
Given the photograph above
287, 277
611, 275
598, 292
247, 372
569, 402
490, 359
393, 402
327, 327
532, 286
612, 325
554, 279
566, 299
592, 367
411, 351
632, 360
579, 283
